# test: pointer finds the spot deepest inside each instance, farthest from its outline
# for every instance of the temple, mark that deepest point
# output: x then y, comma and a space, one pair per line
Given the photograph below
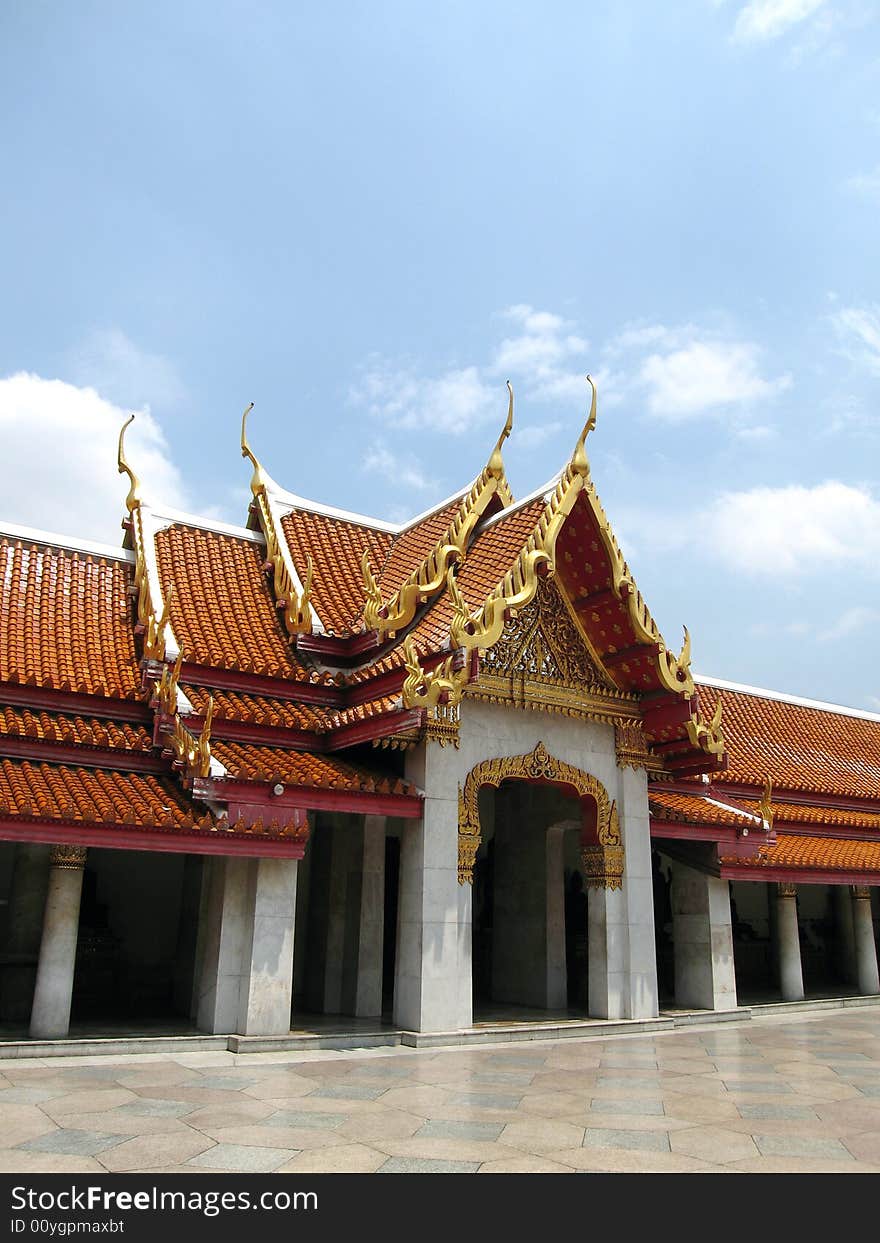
430, 777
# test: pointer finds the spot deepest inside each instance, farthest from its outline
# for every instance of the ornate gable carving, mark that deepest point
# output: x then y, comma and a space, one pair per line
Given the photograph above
543, 661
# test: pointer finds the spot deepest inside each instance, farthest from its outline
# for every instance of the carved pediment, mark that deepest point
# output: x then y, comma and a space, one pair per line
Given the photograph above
543, 661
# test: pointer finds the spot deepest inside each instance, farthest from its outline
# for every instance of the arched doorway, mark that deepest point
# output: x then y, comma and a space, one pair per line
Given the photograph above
535, 834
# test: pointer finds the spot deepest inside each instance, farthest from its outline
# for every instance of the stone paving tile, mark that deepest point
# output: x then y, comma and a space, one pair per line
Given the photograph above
294, 1139
524, 1165
639, 1106
289, 1086
151, 1107
154, 1151
801, 1146
491, 1100
303, 1117
27, 1096
605, 1137
241, 1159
700, 1108
627, 1160
19, 1161
448, 1149
713, 1143
765, 1111
87, 1101
72, 1143
768, 1087
534, 1060
865, 1147
239, 1112
424, 1165
223, 1083
438, 1129
627, 1081
350, 1091
501, 1078
121, 1124
801, 1165
540, 1135
390, 1124
344, 1159
24, 1122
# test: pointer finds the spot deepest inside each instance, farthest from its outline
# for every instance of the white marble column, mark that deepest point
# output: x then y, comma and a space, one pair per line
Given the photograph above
432, 984
607, 953
50, 1014
865, 944
266, 995
554, 878
791, 979
640, 1000
371, 920
246, 977
702, 935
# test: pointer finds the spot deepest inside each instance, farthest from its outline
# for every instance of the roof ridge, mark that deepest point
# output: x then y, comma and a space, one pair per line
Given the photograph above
782, 697
53, 539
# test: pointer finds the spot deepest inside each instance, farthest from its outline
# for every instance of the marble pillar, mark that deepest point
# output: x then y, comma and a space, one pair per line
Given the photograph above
607, 953
791, 980
639, 987
246, 977
703, 941
865, 943
371, 920
50, 1014
432, 983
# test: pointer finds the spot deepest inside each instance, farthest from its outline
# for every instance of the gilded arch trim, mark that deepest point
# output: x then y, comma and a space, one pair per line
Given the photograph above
603, 862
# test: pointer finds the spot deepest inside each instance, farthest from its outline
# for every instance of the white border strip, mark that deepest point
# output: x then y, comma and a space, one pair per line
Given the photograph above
51, 539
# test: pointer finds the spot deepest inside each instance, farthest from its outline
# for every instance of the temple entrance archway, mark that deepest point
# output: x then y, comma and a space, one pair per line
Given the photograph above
535, 835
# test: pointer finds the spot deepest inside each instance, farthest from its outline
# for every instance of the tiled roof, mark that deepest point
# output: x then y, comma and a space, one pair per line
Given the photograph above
799, 747
65, 621
336, 548
258, 709
412, 546
699, 808
821, 817
64, 792
222, 610
826, 853
254, 763
83, 731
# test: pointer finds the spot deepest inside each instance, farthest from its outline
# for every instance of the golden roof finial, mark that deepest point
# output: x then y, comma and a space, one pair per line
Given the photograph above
579, 457
496, 466
203, 767
684, 656
134, 492
716, 716
259, 478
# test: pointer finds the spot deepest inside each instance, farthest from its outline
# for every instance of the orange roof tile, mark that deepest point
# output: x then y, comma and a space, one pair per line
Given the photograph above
412, 546
222, 611
253, 763
825, 853
84, 731
798, 747
336, 547
258, 709
63, 792
821, 817
65, 621
699, 808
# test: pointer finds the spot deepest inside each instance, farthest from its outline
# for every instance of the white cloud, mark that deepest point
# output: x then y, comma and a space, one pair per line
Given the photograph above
59, 458
453, 402
544, 352
111, 363
537, 433
704, 377
758, 433
399, 469
859, 330
794, 530
768, 19
851, 621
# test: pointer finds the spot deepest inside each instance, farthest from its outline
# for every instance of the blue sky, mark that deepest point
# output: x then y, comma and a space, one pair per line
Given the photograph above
365, 218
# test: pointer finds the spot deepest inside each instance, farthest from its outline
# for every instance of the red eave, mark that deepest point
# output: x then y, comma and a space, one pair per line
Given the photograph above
258, 684
382, 725
136, 837
46, 751
257, 798
798, 876
17, 694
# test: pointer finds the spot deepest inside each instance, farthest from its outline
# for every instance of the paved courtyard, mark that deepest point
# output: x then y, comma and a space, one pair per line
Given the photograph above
778, 1093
